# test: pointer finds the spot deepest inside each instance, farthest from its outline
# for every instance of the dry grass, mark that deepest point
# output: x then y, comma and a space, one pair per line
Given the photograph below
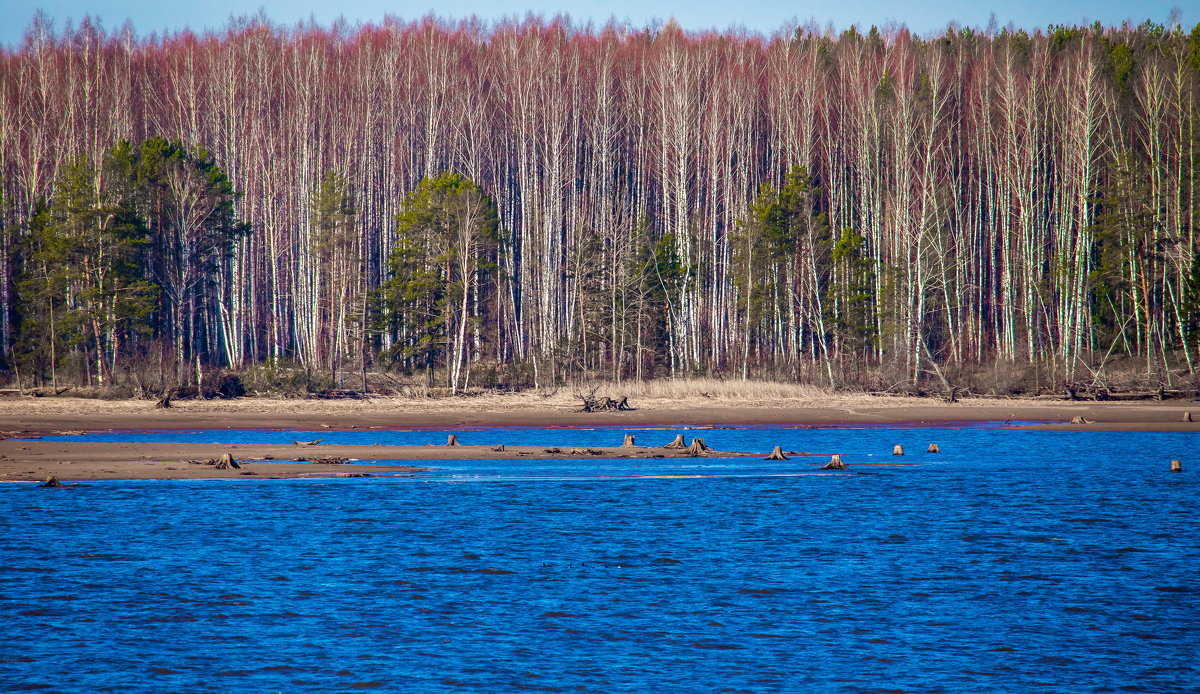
710, 389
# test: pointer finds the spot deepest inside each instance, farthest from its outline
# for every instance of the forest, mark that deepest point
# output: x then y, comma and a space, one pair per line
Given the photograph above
519, 204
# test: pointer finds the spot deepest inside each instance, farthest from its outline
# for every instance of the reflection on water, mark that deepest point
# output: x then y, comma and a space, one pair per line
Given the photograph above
1012, 561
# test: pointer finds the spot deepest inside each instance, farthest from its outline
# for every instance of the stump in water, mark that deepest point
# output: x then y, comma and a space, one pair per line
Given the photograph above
226, 462
898, 450
677, 444
628, 441
776, 454
933, 448
1187, 416
451, 440
835, 463
1176, 466
52, 481
698, 447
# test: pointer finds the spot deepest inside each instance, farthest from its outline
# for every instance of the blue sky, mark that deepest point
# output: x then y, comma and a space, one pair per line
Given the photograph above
922, 16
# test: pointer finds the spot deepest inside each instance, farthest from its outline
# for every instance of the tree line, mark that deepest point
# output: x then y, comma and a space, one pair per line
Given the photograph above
528, 201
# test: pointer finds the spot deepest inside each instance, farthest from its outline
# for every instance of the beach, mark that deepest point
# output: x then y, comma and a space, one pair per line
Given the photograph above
25, 458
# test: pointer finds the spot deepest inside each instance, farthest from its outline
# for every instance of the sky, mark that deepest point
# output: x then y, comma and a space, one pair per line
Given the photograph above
921, 16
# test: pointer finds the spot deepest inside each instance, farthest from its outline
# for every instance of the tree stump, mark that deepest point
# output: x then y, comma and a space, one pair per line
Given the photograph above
628, 441
933, 448
165, 401
677, 444
1079, 420
1176, 466
1187, 416
898, 450
226, 462
776, 454
623, 404
499, 449
835, 463
698, 447
52, 481
451, 440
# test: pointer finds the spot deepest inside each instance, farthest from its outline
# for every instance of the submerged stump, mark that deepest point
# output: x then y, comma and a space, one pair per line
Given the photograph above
677, 444
835, 463
933, 448
451, 440
898, 450
776, 454
1176, 466
52, 481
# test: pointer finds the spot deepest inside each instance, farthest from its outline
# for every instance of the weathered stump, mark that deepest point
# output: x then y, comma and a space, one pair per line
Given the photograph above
623, 403
628, 441
698, 447
1187, 416
933, 448
1079, 420
677, 444
1176, 466
226, 462
451, 440
776, 454
165, 401
898, 450
52, 481
835, 463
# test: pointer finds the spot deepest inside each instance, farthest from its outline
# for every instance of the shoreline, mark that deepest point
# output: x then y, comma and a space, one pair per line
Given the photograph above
29, 459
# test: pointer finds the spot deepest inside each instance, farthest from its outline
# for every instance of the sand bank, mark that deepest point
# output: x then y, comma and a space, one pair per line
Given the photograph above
26, 460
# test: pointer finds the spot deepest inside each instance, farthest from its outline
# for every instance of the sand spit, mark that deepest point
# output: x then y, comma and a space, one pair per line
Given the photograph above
33, 460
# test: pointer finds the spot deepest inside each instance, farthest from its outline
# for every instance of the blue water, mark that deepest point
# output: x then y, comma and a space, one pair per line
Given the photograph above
1012, 561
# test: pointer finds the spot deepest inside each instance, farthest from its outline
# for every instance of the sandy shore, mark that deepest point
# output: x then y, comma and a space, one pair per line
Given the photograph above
35, 460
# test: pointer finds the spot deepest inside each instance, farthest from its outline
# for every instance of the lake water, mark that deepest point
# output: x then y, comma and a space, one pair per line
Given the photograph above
1011, 561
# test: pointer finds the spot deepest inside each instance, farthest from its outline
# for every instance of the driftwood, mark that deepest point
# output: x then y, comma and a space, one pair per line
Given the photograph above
329, 461
499, 449
698, 447
552, 450
628, 441
835, 463
306, 443
933, 448
592, 403
451, 440
776, 454
677, 444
